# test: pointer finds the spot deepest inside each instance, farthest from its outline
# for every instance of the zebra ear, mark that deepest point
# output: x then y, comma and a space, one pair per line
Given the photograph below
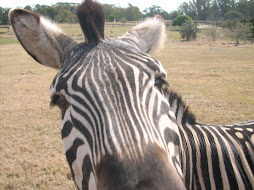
40, 38
147, 36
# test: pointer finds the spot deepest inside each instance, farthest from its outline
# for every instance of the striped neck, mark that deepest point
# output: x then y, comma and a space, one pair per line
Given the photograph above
180, 109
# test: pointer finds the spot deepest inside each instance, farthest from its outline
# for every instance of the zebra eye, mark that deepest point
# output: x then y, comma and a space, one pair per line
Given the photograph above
58, 100
162, 85
160, 81
61, 102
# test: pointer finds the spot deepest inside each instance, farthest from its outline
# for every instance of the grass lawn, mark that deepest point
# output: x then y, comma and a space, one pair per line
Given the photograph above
217, 81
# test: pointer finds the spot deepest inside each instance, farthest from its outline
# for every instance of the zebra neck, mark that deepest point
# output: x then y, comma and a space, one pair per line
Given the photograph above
181, 110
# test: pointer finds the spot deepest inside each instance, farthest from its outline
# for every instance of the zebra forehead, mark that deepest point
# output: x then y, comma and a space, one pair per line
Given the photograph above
111, 53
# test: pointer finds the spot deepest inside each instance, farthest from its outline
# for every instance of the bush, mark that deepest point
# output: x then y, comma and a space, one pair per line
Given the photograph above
180, 20
233, 15
189, 30
240, 32
252, 27
123, 20
230, 24
111, 18
244, 21
249, 23
212, 32
252, 32
252, 21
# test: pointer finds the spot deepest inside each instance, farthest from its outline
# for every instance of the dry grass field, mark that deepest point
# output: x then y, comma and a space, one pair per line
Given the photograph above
217, 81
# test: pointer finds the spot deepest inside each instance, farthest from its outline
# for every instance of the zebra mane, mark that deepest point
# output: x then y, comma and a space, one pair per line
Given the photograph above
179, 107
91, 17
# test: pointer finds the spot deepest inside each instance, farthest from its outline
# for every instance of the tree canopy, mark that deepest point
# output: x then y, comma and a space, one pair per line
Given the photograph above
154, 10
4, 16
216, 9
189, 30
196, 9
180, 20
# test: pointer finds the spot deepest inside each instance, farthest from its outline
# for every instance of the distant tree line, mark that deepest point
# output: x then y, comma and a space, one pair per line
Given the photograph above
196, 9
217, 9
4, 16
60, 12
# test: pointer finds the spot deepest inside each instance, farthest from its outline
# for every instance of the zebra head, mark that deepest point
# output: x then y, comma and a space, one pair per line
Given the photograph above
118, 129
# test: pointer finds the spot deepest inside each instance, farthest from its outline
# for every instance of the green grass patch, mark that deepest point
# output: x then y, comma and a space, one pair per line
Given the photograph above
8, 39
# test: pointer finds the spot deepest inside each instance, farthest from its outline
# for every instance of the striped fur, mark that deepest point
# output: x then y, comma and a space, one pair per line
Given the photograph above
218, 157
115, 112
122, 127
214, 156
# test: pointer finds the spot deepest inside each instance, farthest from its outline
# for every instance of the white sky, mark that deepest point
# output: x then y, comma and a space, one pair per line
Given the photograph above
167, 5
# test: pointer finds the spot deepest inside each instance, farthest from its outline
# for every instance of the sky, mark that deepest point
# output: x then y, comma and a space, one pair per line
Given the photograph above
167, 5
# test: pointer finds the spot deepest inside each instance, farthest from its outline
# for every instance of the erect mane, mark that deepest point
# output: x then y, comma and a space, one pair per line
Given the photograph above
181, 110
91, 17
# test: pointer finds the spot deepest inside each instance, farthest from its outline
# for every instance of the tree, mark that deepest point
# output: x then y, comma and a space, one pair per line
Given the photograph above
239, 32
246, 8
215, 13
108, 9
232, 15
189, 30
1, 15
152, 11
180, 20
188, 9
132, 13
51, 12
212, 32
225, 5
216, 9
250, 23
174, 14
65, 16
230, 24
4, 16
111, 18
123, 20
156, 10
28, 7
119, 12
202, 8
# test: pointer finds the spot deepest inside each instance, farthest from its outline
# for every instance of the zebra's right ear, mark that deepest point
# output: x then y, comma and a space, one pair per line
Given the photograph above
148, 36
40, 38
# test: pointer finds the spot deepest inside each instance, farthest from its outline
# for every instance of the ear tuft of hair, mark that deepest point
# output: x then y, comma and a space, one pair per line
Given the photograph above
91, 17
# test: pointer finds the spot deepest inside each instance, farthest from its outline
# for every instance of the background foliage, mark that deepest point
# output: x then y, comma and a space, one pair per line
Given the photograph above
180, 20
189, 30
196, 9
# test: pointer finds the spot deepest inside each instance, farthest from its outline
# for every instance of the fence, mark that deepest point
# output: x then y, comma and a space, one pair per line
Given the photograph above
5, 26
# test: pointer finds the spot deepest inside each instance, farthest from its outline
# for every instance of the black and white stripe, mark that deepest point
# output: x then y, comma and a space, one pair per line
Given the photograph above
122, 127
114, 107
214, 156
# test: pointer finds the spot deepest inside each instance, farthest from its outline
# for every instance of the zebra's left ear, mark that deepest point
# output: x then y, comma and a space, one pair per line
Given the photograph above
147, 36
40, 38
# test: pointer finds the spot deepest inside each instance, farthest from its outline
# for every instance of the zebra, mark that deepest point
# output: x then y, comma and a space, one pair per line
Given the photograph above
122, 125
214, 156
